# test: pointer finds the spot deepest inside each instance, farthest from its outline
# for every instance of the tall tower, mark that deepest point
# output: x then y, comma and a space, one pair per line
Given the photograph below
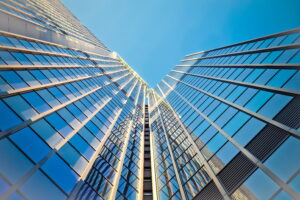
230, 118
77, 122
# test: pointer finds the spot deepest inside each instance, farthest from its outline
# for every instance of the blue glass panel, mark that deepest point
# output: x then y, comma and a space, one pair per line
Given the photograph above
274, 105
294, 82
48, 97
261, 185
13, 163
21, 58
296, 58
58, 94
59, 124
286, 56
30, 80
45, 131
73, 158
5, 42
33, 59
258, 100
216, 142
40, 76
81, 145
281, 77
283, 196
13, 79
248, 131
235, 123
285, 161
271, 57
61, 173
8, 117
295, 184
37, 148
21, 107
40, 187
227, 152
8, 58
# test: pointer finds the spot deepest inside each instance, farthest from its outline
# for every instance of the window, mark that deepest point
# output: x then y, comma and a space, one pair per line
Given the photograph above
21, 107
61, 173
8, 117
59, 124
8, 58
37, 102
39, 186
258, 100
285, 161
47, 132
30, 80
14, 164
13, 79
48, 97
21, 58
31, 144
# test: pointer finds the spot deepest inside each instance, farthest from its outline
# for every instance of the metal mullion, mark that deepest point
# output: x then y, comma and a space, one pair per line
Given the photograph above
26, 123
251, 85
112, 72
292, 131
39, 87
41, 67
202, 158
249, 155
115, 183
270, 49
182, 193
265, 66
296, 30
21, 50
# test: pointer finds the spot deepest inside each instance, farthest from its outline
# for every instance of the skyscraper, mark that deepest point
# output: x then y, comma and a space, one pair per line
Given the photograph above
77, 122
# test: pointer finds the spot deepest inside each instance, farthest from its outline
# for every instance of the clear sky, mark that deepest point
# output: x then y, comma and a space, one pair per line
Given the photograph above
153, 35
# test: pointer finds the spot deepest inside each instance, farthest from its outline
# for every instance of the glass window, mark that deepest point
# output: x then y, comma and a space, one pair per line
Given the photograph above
8, 58
16, 42
13, 79
48, 97
69, 118
21, 58
294, 82
286, 56
58, 94
295, 184
258, 100
39, 187
37, 102
30, 80
260, 185
47, 132
83, 147
4, 186
248, 131
21, 107
31, 144
281, 77
27, 44
40, 76
271, 57
285, 161
283, 196
69, 154
236, 123
275, 105
215, 143
296, 58
14, 164
33, 59
8, 117
5, 42
59, 124
89, 137
61, 173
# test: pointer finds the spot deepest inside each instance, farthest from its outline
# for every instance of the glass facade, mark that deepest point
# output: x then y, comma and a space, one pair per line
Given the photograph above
77, 122
237, 109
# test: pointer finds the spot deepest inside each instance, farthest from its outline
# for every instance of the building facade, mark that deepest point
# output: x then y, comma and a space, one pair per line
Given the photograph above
77, 122
230, 121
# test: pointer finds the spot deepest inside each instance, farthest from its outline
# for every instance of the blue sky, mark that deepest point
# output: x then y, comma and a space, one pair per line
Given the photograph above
153, 35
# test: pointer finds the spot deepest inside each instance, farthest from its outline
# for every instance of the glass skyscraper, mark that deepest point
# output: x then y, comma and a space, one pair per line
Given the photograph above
77, 122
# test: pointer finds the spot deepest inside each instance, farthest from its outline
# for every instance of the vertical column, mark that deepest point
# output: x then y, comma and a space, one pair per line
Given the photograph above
147, 159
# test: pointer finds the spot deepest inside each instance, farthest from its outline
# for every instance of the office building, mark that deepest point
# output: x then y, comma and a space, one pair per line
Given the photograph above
77, 122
